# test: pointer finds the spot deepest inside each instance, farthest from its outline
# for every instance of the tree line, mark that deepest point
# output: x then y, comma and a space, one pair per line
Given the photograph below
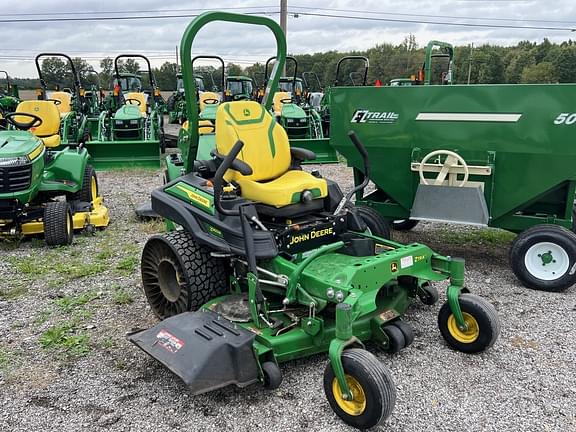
525, 62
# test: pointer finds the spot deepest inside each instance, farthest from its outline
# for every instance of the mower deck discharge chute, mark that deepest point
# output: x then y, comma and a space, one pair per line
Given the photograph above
271, 263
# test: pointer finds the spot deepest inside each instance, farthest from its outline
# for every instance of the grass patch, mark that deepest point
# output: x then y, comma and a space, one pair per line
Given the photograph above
69, 303
128, 264
109, 343
5, 360
153, 226
79, 270
67, 339
121, 297
13, 293
30, 266
41, 317
489, 237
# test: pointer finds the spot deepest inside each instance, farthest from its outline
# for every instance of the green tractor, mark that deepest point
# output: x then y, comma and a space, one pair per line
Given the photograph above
239, 87
270, 263
428, 73
45, 188
9, 97
176, 104
68, 96
130, 132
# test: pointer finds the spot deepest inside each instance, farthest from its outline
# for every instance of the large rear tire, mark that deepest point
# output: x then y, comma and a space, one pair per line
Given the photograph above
179, 275
89, 190
378, 225
58, 224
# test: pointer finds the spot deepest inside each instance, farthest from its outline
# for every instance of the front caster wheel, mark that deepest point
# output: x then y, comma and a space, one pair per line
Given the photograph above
544, 258
58, 224
428, 294
372, 387
483, 325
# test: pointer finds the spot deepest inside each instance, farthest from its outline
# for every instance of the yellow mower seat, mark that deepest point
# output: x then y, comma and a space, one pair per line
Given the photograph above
49, 130
141, 97
204, 96
277, 102
267, 151
65, 98
204, 127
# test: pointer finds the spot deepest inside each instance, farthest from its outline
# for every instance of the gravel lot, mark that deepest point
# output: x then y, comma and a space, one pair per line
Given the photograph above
88, 377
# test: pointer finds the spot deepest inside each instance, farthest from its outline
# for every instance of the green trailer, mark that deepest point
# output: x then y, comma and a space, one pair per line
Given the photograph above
488, 155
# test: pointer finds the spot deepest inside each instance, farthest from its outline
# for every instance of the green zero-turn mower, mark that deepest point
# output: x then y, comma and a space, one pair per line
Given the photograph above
271, 263
130, 131
428, 73
68, 96
44, 187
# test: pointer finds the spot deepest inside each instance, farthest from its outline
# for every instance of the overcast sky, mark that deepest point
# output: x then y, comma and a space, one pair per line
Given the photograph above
391, 20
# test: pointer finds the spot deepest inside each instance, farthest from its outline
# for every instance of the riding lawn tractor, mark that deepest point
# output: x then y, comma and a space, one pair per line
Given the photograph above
44, 187
268, 263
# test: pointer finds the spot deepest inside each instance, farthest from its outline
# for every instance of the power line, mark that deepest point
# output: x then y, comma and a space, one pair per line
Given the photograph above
120, 18
133, 11
432, 16
454, 24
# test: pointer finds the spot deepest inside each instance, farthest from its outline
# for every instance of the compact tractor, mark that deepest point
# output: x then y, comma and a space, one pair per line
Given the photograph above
9, 97
428, 73
269, 263
130, 131
45, 188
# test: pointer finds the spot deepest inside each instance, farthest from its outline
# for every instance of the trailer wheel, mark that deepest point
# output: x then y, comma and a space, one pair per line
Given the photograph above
378, 225
58, 224
178, 275
373, 390
544, 258
481, 319
272, 375
404, 224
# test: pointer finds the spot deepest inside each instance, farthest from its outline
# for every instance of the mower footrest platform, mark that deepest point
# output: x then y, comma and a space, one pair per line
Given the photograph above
204, 349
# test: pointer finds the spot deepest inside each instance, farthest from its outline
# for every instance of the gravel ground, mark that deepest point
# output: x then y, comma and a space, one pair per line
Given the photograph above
91, 378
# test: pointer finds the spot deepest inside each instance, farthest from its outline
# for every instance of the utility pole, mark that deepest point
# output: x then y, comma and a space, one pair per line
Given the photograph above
176, 57
283, 19
470, 62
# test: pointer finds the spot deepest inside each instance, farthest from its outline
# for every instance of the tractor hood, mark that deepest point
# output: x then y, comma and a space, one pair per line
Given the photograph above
17, 143
128, 112
292, 111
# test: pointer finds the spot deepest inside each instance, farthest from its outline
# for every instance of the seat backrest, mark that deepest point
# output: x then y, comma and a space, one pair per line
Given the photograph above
65, 98
266, 147
46, 110
278, 97
140, 97
207, 95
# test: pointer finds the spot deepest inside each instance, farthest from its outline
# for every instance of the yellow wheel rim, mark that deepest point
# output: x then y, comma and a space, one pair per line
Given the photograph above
68, 223
464, 336
357, 405
93, 187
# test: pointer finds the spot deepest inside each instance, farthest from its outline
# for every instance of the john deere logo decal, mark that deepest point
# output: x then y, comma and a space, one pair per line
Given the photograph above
394, 267
367, 116
246, 112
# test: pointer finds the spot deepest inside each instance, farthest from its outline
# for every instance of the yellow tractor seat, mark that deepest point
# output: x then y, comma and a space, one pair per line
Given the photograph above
141, 97
267, 151
65, 98
204, 127
49, 130
277, 102
204, 96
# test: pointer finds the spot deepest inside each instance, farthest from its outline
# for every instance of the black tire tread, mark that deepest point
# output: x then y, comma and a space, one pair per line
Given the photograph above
55, 226
481, 305
404, 224
397, 341
516, 258
407, 331
378, 225
205, 276
272, 375
85, 192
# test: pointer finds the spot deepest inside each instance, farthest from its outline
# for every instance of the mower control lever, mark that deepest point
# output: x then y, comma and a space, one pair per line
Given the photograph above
362, 150
227, 163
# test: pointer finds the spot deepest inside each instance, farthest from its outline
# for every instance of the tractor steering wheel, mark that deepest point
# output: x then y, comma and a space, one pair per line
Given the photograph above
286, 100
56, 101
240, 97
133, 100
211, 101
452, 160
35, 122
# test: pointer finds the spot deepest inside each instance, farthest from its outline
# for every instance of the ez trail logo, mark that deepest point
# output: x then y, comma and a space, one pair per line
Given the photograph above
367, 116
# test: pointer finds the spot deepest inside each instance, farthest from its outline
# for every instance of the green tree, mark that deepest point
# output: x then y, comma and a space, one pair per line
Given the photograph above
129, 65
565, 64
166, 76
106, 71
539, 73
233, 69
54, 71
